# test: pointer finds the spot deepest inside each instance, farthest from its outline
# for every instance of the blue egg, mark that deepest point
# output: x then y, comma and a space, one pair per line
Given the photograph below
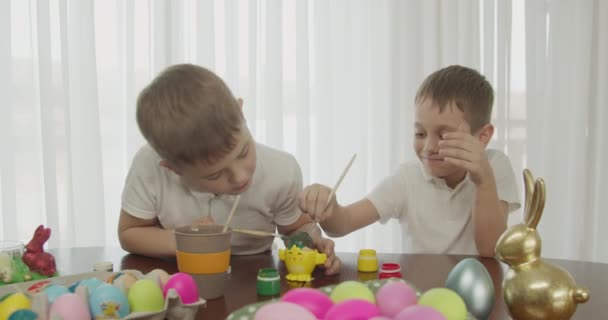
107, 301
54, 291
23, 314
91, 284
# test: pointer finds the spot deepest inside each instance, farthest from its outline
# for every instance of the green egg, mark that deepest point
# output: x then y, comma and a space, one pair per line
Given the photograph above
352, 290
145, 296
446, 301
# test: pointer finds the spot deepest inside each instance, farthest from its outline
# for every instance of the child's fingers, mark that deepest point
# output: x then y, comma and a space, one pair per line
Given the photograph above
456, 153
311, 201
467, 165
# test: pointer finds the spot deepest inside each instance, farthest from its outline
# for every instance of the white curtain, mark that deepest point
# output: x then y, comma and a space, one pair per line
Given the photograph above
320, 79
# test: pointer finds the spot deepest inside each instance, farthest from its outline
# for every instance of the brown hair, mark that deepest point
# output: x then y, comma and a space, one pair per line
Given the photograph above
188, 114
471, 92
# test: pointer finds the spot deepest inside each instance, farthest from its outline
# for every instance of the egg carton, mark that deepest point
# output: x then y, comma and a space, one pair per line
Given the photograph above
173, 307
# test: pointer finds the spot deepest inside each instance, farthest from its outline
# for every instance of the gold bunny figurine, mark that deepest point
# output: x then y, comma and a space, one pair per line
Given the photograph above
533, 288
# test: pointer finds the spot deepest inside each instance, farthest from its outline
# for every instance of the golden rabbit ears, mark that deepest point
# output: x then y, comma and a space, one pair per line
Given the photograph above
535, 199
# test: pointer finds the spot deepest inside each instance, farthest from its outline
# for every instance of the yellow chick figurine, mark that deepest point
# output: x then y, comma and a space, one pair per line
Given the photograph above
300, 262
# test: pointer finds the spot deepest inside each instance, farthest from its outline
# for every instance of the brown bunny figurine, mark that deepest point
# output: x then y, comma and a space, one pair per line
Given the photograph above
532, 288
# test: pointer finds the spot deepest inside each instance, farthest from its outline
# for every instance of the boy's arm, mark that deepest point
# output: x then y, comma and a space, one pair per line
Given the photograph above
489, 217
346, 219
145, 237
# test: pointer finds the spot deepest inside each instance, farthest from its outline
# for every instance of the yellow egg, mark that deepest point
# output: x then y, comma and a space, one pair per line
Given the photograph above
13, 303
145, 295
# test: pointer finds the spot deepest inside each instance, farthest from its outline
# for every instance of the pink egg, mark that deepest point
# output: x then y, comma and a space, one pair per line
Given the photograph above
184, 285
283, 310
419, 313
315, 301
69, 307
354, 309
395, 296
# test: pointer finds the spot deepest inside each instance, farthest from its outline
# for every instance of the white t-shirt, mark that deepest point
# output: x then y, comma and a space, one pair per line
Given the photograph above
152, 191
435, 218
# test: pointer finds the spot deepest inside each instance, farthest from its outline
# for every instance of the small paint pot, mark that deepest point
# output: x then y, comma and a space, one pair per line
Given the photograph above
269, 282
367, 261
390, 270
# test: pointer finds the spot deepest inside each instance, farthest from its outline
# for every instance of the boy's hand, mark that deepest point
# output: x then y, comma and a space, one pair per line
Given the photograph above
464, 150
203, 220
313, 200
332, 264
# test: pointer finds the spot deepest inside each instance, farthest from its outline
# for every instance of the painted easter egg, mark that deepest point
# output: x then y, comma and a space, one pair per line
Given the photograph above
13, 303
54, 291
395, 296
108, 301
354, 309
313, 300
90, 284
352, 290
472, 281
69, 306
145, 296
23, 314
161, 274
184, 285
419, 313
446, 301
283, 310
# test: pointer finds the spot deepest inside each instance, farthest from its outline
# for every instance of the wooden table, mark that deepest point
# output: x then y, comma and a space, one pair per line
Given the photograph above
424, 271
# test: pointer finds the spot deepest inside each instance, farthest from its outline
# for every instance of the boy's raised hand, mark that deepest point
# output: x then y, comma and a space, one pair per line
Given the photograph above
313, 200
465, 150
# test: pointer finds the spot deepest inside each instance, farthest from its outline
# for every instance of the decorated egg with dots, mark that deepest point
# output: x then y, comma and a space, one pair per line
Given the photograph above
283, 310
354, 309
418, 313
69, 307
313, 300
395, 296
184, 285
352, 290
108, 301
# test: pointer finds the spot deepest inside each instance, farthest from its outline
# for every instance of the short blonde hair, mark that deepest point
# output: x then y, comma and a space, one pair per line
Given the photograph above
471, 92
188, 115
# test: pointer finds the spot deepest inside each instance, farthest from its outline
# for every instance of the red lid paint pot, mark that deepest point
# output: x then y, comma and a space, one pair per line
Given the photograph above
390, 270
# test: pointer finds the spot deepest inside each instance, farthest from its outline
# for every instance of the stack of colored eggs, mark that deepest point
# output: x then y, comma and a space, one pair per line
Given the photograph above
352, 300
124, 295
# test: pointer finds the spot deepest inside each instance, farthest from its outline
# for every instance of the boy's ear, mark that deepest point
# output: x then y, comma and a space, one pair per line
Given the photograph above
485, 134
166, 164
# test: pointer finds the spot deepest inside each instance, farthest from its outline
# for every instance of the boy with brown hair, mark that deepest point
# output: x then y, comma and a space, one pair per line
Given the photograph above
456, 198
200, 155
